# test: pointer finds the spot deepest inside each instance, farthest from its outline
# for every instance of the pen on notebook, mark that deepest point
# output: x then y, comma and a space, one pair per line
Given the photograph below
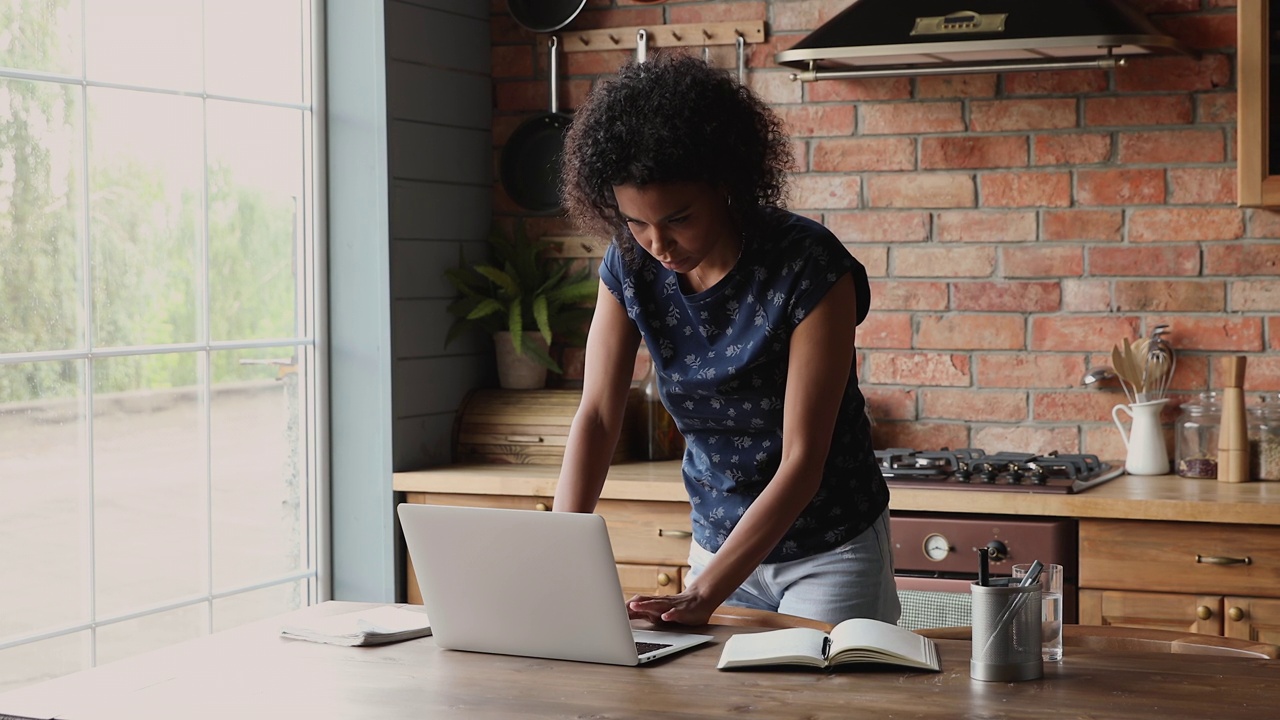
983, 570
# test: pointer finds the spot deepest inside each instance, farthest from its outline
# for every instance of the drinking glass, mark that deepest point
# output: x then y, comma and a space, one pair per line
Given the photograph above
1051, 606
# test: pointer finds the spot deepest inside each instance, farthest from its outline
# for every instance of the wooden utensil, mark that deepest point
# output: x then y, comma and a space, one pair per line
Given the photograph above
1233, 438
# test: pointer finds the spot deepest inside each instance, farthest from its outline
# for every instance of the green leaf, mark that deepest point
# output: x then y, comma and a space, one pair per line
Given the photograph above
540, 317
515, 323
500, 278
486, 307
543, 358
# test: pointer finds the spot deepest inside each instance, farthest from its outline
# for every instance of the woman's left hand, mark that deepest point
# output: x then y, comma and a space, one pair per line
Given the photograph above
685, 608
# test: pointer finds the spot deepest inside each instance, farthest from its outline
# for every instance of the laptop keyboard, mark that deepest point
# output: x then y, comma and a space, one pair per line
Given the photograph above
644, 648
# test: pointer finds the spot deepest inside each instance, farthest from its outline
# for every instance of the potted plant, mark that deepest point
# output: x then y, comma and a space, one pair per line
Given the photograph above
526, 298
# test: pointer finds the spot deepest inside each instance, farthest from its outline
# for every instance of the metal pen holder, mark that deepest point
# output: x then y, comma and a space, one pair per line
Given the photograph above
1006, 633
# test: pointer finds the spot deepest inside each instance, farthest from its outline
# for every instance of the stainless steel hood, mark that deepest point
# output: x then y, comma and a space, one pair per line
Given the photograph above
923, 37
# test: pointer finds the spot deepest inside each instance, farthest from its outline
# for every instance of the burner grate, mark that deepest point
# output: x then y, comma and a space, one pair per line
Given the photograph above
972, 468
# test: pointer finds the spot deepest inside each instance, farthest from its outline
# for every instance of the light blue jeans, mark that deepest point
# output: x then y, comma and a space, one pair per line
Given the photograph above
853, 580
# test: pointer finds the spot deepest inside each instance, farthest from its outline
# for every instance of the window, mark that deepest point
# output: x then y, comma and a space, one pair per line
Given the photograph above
158, 311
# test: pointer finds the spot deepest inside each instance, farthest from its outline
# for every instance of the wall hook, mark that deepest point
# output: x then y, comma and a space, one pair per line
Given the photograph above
706, 34
586, 41
676, 35
614, 39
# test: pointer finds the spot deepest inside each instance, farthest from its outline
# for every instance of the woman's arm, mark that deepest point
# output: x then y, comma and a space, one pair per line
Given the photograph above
821, 356
611, 357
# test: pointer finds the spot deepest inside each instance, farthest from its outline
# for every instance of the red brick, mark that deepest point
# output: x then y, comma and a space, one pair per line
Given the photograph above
863, 154
504, 30
890, 403
1086, 296
636, 16
963, 331
800, 156
997, 151
1150, 261
1249, 258
1190, 373
716, 12
1173, 146
1026, 189
1120, 187
1202, 32
1104, 441
1063, 82
1241, 334
910, 261
1080, 333
1202, 186
1027, 438
1174, 73
759, 55
1093, 225
1005, 115
1216, 107
511, 61
1029, 370
956, 86
920, 435
825, 191
512, 96
1051, 261
1193, 224
817, 120
921, 190
1264, 224
1138, 110
805, 15
504, 126
911, 118
774, 88
1273, 332
1255, 295
875, 259
1263, 375
1148, 7
600, 62
1071, 149
860, 90
912, 368
1072, 406
974, 406
986, 226
879, 226
1169, 296
908, 295
1021, 297
885, 330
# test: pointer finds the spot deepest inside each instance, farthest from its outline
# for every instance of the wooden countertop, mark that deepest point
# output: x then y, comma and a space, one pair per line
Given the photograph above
1162, 497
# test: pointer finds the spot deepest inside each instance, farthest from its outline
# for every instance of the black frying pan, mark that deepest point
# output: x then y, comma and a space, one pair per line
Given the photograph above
531, 158
544, 16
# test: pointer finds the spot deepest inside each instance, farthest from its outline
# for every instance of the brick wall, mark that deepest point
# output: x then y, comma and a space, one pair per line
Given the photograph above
1015, 226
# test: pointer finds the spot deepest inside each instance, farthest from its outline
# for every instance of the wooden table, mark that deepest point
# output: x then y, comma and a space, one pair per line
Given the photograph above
251, 672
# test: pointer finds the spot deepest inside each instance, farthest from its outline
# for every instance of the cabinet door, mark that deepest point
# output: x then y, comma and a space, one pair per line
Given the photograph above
649, 579
1159, 611
1251, 618
648, 532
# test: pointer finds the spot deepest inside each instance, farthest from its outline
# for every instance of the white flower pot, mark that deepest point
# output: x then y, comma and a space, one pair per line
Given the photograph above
519, 371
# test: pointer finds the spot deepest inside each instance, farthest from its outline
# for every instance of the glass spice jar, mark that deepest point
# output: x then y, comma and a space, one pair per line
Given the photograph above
1264, 439
655, 434
1196, 437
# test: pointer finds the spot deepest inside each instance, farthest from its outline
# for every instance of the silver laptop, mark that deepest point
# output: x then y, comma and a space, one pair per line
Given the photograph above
523, 582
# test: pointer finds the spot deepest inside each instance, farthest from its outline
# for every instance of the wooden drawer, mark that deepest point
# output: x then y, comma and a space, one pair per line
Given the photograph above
648, 532
649, 579
508, 502
1180, 557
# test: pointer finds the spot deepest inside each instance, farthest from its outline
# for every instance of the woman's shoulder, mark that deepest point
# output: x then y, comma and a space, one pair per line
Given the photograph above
789, 235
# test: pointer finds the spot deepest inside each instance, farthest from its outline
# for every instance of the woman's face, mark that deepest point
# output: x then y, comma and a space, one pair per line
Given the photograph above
680, 224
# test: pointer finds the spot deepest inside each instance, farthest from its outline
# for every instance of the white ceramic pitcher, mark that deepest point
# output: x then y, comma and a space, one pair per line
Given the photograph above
1144, 439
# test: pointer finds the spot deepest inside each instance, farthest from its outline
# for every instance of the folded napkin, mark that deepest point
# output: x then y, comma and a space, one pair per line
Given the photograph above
375, 626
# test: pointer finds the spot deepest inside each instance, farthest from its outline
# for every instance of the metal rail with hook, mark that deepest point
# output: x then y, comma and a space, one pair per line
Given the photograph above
682, 35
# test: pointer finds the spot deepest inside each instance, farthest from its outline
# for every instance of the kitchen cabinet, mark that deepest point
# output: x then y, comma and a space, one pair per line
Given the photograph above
650, 538
1258, 100
1212, 578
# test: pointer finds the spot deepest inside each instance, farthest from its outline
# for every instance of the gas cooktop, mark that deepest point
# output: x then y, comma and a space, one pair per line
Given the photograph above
973, 469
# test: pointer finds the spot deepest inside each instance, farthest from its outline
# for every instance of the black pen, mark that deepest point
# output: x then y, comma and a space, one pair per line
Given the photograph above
983, 570
1033, 574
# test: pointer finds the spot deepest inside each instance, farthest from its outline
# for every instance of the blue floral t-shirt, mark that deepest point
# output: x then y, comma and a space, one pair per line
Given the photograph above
722, 356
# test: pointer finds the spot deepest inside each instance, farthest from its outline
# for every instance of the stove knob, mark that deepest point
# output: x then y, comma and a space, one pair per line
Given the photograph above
997, 551
1015, 476
987, 476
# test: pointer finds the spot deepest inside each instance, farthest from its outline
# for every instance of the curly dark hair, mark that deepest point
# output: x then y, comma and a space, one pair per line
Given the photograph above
672, 118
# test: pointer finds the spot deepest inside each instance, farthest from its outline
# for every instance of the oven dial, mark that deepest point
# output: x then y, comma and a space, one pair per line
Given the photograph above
936, 547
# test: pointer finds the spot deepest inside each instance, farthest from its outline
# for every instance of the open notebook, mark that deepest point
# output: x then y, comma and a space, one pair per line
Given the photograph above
858, 640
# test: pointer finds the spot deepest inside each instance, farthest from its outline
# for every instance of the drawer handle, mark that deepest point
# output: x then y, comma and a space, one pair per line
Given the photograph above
664, 579
1215, 560
526, 439
1204, 612
540, 507
1235, 614
674, 533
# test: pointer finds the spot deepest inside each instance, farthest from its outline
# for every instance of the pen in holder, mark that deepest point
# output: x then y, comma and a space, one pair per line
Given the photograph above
1006, 633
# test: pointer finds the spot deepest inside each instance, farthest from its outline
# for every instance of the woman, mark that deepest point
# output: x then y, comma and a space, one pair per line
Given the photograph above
748, 312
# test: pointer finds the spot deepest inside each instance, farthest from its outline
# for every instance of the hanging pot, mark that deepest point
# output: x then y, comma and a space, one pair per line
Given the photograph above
544, 16
531, 158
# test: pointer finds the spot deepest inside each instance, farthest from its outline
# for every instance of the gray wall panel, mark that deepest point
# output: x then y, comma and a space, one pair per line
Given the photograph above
423, 441
444, 154
427, 386
433, 95
470, 8
444, 40
437, 210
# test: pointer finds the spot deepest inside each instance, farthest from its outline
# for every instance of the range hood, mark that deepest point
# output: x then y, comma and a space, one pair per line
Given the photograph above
874, 38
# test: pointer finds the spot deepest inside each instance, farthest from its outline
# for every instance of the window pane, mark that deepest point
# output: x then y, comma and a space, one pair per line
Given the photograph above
259, 481
118, 641
144, 42
253, 49
145, 197
149, 482
247, 607
41, 35
40, 216
255, 191
43, 498
29, 664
